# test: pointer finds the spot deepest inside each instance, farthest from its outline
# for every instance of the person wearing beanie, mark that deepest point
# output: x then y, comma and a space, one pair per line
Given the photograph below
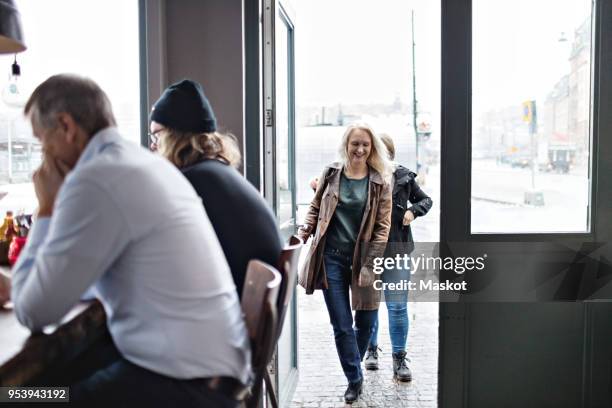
184, 131
184, 107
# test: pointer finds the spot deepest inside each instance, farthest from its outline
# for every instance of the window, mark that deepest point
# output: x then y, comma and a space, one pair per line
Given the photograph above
284, 121
531, 116
97, 39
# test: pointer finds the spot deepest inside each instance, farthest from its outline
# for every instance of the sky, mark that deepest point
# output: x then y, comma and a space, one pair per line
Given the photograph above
359, 51
347, 51
517, 54
98, 39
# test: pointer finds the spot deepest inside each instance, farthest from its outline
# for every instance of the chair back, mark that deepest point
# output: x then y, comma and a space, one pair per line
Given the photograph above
287, 266
259, 307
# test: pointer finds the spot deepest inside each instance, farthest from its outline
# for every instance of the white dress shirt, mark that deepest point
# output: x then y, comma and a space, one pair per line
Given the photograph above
128, 221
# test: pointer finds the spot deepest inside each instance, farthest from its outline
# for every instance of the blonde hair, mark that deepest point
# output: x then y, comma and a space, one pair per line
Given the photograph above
184, 149
386, 139
378, 158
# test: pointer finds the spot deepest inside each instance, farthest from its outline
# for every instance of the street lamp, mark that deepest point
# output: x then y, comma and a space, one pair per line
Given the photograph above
414, 100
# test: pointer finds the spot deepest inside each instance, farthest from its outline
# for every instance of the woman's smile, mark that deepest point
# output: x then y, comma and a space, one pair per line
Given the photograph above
359, 146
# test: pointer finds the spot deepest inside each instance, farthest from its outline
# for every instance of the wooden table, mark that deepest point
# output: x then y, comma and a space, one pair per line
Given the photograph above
12, 335
25, 357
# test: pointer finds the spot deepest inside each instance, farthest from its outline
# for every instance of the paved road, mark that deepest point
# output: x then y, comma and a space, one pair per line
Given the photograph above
322, 383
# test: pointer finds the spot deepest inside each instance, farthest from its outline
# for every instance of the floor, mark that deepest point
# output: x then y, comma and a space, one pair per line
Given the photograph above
322, 383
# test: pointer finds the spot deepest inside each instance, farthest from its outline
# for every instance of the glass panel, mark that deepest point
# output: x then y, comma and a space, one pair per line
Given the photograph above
283, 125
531, 116
283, 118
78, 41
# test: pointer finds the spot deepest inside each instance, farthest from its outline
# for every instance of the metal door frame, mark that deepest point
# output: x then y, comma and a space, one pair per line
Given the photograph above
456, 154
270, 9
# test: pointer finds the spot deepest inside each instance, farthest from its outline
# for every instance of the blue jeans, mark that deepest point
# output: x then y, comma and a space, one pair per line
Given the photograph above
351, 343
397, 309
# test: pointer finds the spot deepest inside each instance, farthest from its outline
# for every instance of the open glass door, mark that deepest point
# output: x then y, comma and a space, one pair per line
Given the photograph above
279, 159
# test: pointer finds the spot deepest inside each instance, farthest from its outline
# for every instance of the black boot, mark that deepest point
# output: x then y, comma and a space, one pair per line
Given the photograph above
400, 368
353, 392
371, 359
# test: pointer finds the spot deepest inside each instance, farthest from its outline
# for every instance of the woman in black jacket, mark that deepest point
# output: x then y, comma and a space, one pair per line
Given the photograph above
184, 130
409, 202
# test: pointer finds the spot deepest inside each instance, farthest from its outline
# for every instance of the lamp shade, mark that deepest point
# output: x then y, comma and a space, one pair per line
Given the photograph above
11, 36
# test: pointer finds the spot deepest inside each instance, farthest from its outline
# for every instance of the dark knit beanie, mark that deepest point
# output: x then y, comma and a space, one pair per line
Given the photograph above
184, 107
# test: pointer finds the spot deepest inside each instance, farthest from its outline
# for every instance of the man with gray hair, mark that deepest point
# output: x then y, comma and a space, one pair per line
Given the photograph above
113, 215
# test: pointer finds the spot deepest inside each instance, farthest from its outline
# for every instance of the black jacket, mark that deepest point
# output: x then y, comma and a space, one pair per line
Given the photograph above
407, 196
245, 225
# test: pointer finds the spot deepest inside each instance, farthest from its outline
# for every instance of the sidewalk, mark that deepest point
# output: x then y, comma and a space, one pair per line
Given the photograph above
322, 383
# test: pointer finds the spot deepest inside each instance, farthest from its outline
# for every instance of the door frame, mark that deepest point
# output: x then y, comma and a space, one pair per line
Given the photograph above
455, 329
266, 24
253, 156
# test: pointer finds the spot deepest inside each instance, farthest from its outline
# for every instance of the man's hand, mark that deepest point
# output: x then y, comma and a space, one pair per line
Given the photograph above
5, 289
47, 181
366, 277
408, 217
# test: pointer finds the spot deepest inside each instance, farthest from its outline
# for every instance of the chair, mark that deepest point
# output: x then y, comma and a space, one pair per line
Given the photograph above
287, 266
259, 306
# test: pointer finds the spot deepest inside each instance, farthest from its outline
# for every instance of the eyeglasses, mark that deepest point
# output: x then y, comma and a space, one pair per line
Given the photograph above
154, 136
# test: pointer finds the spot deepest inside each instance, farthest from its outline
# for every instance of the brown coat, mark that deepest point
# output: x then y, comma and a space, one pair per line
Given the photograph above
373, 233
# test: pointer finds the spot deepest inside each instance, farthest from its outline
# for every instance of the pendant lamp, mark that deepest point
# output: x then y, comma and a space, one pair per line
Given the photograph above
11, 36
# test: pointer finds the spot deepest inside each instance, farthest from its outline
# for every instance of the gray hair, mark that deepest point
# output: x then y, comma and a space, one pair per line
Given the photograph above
77, 96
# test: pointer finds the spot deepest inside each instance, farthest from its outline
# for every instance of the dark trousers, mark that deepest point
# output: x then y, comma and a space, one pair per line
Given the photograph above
119, 383
351, 343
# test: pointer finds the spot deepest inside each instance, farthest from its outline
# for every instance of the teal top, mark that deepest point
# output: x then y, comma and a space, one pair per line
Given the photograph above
346, 222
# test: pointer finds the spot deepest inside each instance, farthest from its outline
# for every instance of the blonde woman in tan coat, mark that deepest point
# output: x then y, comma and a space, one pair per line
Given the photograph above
349, 219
